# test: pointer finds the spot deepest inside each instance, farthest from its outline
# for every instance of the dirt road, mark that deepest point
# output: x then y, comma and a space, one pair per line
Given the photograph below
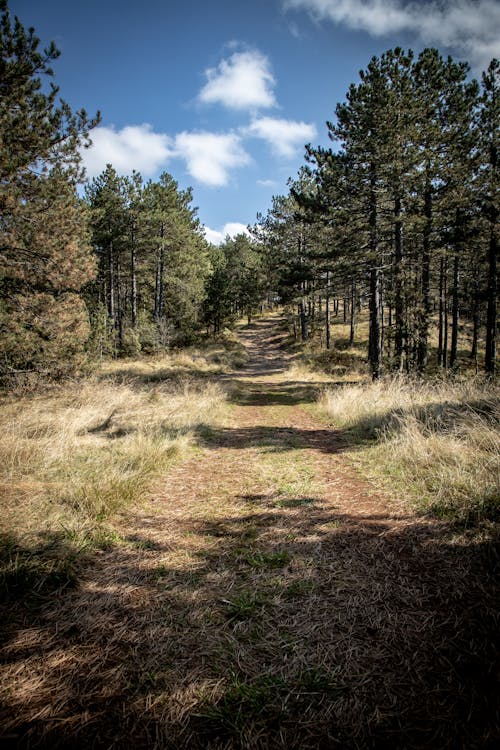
268, 597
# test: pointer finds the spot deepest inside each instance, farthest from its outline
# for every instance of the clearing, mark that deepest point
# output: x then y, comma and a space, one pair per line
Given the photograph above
266, 597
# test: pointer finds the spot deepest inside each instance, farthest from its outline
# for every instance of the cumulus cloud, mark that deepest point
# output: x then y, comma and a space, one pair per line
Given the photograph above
232, 229
284, 136
133, 147
210, 156
471, 27
243, 81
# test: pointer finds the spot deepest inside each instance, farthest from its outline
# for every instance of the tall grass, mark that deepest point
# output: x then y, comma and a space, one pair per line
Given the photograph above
438, 441
75, 456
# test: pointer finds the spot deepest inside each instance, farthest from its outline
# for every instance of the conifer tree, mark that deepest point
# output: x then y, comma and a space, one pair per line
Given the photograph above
403, 208
153, 262
489, 120
44, 252
360, 130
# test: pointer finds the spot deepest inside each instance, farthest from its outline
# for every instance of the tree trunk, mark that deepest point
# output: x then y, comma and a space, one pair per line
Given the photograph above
158, 308
445, 334
374, 332
119, 304
425, 311
475, 332
327, 310
491, 308
390, 338
455, 312
111, 282
398, 286
303, 321
441, 356
133, 280
353, 312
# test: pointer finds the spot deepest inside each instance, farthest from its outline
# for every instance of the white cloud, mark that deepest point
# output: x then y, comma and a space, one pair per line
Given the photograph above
244, 81
231, 229
284, 136
132, 147
210, 156
471, 27
266, 183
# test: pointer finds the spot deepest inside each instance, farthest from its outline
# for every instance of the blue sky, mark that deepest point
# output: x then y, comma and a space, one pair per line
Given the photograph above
223, 94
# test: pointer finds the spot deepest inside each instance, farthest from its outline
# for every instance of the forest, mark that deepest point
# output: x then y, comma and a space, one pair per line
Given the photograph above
249, 492
399, 218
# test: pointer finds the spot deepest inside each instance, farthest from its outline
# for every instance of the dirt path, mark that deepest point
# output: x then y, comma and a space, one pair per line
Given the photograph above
268, 597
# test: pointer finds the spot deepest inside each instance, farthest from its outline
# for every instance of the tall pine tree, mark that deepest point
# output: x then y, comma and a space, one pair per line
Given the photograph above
44, 252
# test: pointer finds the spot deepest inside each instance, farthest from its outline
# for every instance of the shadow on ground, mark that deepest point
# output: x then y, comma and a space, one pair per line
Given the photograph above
282, 394
273, 438
292, 627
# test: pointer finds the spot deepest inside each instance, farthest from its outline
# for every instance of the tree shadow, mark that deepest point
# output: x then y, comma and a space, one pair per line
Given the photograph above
47, 565
290, 393
293, 627
146, 380
442, 416
275, 439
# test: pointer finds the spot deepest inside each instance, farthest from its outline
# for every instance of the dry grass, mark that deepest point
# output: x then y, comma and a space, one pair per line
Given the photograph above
217, 357
263, 608
438, 441
299, 371
266, 598
73, 457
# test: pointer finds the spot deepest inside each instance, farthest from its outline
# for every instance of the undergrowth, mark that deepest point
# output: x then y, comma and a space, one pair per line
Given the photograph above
437, 441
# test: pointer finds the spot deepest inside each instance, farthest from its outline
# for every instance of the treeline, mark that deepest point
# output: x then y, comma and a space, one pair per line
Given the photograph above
400, 216
152, 263
158, 282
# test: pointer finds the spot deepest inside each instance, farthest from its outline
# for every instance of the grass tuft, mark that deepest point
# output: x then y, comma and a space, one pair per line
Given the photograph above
437, 440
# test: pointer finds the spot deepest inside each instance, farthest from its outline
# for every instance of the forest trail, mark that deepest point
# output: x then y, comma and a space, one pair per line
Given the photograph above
267, 597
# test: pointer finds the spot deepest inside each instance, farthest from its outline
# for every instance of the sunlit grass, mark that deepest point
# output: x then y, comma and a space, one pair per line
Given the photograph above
78, 454
437, 441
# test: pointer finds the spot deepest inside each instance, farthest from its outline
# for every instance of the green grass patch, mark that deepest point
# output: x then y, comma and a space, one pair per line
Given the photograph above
258, 702
267, 559
300, 588
245, 605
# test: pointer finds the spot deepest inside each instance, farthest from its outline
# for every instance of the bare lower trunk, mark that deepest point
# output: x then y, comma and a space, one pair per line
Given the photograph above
455, 314
303, 321
375, 330
133, 282
491, 310
327, 310
353, 312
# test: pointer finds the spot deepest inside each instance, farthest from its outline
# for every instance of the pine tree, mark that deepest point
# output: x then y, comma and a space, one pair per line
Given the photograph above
107, 197
360, 128
153, 263
44, 252
489, 146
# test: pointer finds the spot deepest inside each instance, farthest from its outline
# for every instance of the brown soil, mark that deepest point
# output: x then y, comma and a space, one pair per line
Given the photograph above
267, 597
